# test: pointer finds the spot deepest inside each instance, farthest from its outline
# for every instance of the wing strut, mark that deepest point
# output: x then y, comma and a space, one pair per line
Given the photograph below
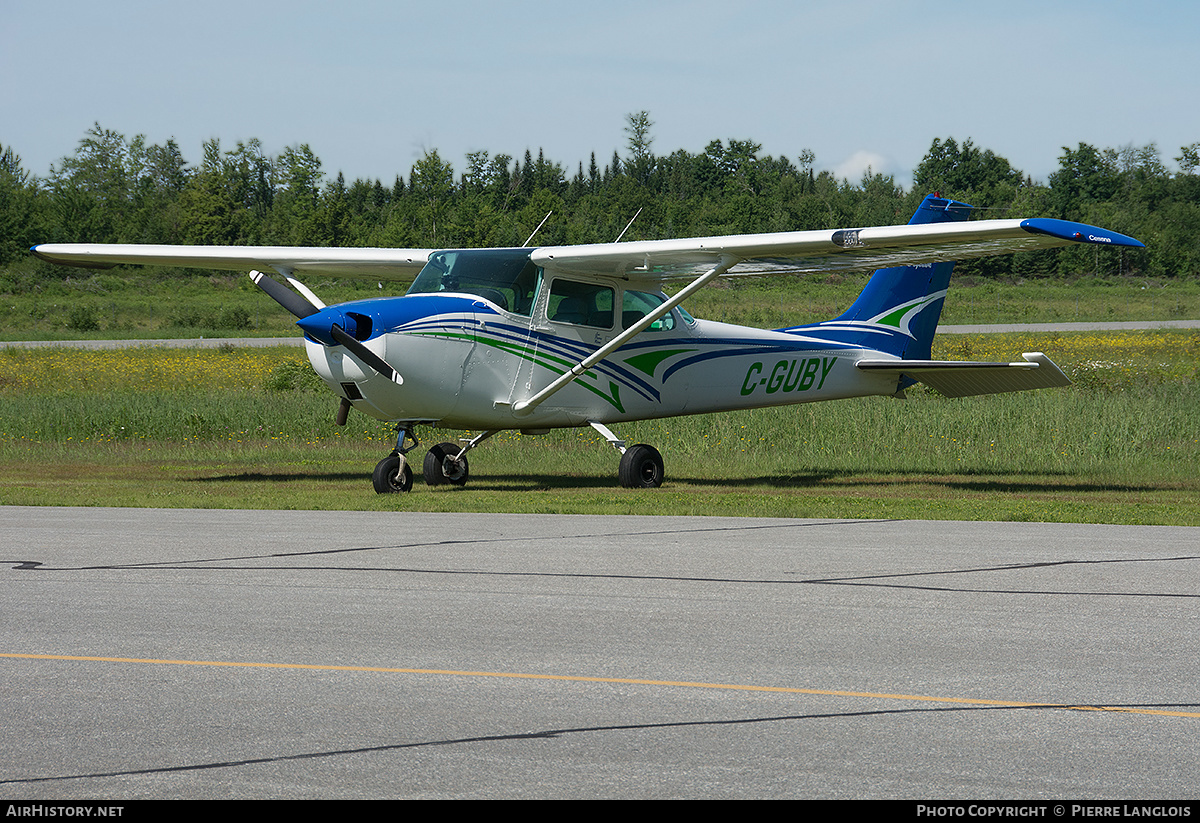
524, 407
286, 271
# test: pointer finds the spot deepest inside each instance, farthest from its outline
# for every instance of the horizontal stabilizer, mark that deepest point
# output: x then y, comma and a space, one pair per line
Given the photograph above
965, 379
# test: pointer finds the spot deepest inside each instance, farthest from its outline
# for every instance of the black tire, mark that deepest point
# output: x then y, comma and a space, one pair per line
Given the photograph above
441, 466
641, 468
389, 478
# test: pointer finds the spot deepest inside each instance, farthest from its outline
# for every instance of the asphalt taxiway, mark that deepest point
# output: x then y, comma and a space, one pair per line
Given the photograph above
264, 654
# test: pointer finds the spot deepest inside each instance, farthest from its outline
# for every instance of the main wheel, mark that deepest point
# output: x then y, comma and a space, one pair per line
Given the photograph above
641, 468
442, 465
390, 477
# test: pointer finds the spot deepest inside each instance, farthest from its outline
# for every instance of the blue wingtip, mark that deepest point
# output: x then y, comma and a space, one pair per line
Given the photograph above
1079, 232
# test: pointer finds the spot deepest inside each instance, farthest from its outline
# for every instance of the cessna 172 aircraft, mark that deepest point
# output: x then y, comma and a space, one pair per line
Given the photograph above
547, 337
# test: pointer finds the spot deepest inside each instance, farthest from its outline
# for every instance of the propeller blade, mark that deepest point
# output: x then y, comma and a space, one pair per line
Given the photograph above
284, 296
366, 355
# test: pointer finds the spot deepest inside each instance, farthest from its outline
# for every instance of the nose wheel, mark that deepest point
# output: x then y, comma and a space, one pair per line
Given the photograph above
392, 474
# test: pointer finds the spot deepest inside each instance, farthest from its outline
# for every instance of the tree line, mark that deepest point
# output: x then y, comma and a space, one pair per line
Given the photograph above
115, 189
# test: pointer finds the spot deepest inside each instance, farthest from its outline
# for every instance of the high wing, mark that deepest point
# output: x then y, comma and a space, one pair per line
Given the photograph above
649, 261
656, 261
385, 264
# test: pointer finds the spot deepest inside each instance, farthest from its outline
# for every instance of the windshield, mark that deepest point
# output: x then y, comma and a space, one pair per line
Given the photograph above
506, 277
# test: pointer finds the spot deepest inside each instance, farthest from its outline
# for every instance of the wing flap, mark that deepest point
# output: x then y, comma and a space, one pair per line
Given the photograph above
967, 379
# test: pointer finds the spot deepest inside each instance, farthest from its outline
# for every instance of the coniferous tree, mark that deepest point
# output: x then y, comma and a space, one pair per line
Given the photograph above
114, 189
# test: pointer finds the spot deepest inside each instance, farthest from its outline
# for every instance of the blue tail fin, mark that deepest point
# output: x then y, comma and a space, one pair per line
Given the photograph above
898, 311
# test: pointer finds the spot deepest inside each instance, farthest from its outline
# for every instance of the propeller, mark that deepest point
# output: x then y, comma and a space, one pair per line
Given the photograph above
328, 327
284, 296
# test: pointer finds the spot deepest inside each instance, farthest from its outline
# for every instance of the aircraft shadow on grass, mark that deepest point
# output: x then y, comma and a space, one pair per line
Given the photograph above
983, 482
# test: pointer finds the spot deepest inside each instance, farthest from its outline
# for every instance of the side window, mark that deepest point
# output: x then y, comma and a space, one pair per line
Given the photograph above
581, 304
637, 304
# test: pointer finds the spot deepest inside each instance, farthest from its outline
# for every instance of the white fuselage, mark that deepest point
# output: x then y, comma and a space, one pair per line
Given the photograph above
465, 364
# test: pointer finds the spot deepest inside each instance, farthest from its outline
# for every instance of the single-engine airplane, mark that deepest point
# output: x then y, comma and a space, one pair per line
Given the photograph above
547, 337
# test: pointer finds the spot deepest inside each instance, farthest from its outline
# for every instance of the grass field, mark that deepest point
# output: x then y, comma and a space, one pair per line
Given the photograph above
38, 302
242, 428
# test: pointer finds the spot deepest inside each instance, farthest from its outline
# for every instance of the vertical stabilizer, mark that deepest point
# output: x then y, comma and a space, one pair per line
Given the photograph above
898, 311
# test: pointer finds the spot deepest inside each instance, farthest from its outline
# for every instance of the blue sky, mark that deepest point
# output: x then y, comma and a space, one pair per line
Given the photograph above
371, 85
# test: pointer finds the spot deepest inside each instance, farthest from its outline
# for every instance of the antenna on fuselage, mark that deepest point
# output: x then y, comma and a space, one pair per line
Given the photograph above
539, 226
627, 225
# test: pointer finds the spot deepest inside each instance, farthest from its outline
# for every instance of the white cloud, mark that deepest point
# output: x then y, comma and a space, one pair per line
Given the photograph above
854, 166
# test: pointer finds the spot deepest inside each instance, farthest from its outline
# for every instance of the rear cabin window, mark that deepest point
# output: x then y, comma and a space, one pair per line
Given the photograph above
581, 304
637, 304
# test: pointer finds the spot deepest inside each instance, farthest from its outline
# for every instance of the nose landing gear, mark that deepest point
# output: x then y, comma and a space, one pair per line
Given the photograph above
392, 474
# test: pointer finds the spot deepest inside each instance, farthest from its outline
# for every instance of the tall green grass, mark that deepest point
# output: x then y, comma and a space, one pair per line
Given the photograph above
164, 427
153, 302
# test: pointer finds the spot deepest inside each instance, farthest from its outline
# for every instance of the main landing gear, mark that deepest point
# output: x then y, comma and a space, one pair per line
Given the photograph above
641, 468
446, 463
641, 465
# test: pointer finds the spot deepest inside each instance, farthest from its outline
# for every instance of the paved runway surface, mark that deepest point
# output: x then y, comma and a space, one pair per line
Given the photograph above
152, 653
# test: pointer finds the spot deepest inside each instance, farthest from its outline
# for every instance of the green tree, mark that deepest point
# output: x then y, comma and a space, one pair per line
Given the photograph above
1189, 158
640, 162
209, 212
91, 189
981, 178
252, 177
1084, 176
431, 185
295, 209
161, 177
19, 202
332, 223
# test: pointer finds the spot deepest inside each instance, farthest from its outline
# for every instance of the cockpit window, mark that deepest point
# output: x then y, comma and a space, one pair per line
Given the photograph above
506, 277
